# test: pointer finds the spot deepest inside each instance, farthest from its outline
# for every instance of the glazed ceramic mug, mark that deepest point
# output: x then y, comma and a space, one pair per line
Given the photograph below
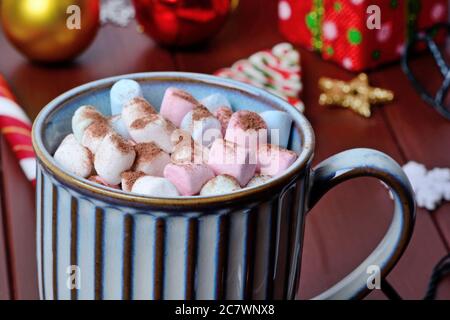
94, 242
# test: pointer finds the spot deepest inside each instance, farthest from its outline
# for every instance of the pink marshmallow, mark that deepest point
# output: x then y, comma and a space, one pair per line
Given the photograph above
228, 158
247, 129
176, 104
188, 178
274, 160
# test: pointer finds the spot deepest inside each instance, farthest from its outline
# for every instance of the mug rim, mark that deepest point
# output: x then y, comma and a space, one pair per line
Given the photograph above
46, 159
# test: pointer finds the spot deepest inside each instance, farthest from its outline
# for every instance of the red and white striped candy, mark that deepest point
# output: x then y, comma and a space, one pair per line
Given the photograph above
16, 128
277, 71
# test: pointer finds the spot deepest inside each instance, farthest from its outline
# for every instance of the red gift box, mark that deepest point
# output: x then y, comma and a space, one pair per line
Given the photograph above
339, 29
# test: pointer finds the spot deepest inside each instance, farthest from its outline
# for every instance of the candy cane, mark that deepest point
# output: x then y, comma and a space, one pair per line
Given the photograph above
16, 128
277, 71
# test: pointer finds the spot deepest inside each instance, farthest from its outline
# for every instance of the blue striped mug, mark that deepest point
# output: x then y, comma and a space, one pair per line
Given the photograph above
94, 242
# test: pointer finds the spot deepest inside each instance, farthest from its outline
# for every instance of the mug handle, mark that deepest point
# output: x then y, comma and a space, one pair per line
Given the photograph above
368, 163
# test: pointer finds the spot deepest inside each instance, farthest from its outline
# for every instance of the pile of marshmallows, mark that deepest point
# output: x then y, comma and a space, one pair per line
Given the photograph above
190, 148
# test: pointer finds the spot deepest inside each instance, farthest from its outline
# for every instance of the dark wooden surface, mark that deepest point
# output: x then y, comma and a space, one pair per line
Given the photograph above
344, 227
4, 276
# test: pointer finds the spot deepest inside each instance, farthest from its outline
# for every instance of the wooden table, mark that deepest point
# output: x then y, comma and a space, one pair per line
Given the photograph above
340, 232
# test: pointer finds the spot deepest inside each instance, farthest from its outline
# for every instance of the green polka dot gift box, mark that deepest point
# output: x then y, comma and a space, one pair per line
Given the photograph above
358, 34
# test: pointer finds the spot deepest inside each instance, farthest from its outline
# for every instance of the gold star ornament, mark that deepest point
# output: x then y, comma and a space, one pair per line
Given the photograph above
356, 94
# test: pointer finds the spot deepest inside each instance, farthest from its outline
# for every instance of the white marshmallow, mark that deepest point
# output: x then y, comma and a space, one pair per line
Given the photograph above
202, 125
117, 124
150, 159
279, 126
135, 109
122, 92
215, 101
114, 156
180, 136
222, 184
155, 129
155, 187
83, 118
94, 135
258, 180
75, 158
129, 178
99, 180
189, 152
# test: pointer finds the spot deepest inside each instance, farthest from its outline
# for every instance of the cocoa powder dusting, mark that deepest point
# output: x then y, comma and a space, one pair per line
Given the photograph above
214, 182
121, 144
142, 105
143, 122
190, 167
231, 178
224, 112
169, 126
229, 145
129, 179
180, 136
90, 155
200, 113
224, 115
251, 121
269, 147
185, 96
99, 128
91, 113
146, 151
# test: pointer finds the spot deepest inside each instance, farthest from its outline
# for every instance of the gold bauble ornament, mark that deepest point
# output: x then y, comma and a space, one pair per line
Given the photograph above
234, 5
50, 30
